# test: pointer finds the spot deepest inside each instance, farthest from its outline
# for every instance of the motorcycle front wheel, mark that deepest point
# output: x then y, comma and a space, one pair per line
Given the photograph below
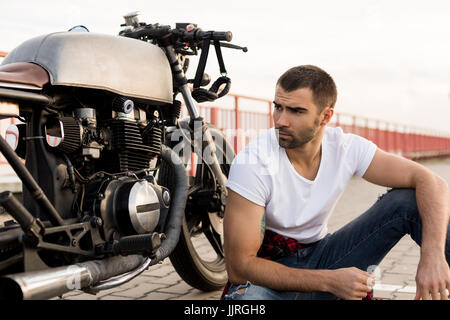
199, 255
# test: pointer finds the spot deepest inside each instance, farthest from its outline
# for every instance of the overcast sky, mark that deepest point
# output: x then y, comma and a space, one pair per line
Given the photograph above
390, 59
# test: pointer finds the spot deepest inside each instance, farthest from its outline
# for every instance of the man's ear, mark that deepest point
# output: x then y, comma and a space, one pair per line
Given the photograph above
326, 116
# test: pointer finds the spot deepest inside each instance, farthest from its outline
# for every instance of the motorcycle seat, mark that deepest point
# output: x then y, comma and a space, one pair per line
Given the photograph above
24, 75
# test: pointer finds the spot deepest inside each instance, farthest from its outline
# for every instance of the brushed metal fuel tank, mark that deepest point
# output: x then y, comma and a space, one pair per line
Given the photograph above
121, 65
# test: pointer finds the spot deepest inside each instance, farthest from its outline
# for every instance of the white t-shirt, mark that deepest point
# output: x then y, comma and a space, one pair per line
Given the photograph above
295, 206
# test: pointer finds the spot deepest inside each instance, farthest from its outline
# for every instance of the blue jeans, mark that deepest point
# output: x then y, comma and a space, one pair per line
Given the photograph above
363, 242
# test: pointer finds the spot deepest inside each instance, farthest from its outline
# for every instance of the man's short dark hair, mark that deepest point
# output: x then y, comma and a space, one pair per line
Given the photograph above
308, 76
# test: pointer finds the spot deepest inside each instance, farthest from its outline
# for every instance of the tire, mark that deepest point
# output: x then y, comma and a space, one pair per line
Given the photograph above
188, 256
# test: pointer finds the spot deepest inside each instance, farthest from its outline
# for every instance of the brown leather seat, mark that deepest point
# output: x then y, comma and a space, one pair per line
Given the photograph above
24, 73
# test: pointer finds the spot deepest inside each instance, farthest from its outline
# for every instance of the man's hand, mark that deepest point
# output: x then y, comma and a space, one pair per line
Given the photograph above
432, 278
350, 283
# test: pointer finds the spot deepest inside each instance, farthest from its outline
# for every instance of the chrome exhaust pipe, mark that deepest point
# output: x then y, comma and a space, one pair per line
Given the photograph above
53, 282
41, 285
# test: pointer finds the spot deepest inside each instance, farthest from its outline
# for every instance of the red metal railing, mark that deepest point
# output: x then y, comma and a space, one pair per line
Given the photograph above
409, 141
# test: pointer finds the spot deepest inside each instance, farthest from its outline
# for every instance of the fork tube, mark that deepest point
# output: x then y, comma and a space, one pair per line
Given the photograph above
180, 78
190, 105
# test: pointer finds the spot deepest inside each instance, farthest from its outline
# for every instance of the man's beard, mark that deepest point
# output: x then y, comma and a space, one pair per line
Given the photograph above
297, 139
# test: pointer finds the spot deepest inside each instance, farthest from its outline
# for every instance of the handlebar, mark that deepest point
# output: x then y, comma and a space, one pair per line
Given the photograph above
186, 39
156, 31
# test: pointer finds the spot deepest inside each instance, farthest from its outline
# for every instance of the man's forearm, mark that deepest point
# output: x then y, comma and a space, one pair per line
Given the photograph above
276, 276
433, 202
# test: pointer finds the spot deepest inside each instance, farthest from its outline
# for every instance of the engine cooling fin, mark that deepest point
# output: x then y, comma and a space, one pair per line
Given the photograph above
154, 140
130, 151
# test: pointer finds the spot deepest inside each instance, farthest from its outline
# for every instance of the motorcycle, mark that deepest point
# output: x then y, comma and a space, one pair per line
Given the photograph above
102, 155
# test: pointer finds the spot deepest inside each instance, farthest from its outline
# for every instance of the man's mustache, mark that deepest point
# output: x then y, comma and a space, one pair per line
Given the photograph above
284, 131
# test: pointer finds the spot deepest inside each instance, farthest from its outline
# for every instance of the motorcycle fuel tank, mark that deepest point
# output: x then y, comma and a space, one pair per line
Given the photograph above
121, 65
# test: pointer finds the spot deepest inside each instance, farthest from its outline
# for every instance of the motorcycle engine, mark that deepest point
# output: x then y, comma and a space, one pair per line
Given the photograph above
112, 152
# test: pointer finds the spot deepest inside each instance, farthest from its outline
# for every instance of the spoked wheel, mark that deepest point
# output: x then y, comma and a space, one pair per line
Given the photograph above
199, 255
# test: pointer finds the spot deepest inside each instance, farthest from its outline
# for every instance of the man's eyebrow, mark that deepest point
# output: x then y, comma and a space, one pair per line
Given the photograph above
296, 108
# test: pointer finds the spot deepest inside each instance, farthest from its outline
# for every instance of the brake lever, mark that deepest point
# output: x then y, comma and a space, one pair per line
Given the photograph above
232, 46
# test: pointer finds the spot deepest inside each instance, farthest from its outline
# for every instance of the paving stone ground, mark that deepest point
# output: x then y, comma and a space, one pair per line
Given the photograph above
397, 270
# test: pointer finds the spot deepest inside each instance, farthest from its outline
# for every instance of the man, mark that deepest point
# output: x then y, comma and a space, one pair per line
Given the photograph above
284, 185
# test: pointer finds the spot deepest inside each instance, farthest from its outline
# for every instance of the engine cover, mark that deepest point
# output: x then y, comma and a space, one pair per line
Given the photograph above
138, 203
131, 206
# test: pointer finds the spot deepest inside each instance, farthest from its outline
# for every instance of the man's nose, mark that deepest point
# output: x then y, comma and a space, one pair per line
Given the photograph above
281, 119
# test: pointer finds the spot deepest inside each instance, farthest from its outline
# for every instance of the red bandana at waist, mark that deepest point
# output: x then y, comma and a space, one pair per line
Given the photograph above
276, 246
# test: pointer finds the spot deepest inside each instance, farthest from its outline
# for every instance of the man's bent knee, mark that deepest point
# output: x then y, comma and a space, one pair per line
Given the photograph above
250, 291
404, 198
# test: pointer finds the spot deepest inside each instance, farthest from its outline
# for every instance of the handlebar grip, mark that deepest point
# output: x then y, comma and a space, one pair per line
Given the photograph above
199, 34
225, 36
